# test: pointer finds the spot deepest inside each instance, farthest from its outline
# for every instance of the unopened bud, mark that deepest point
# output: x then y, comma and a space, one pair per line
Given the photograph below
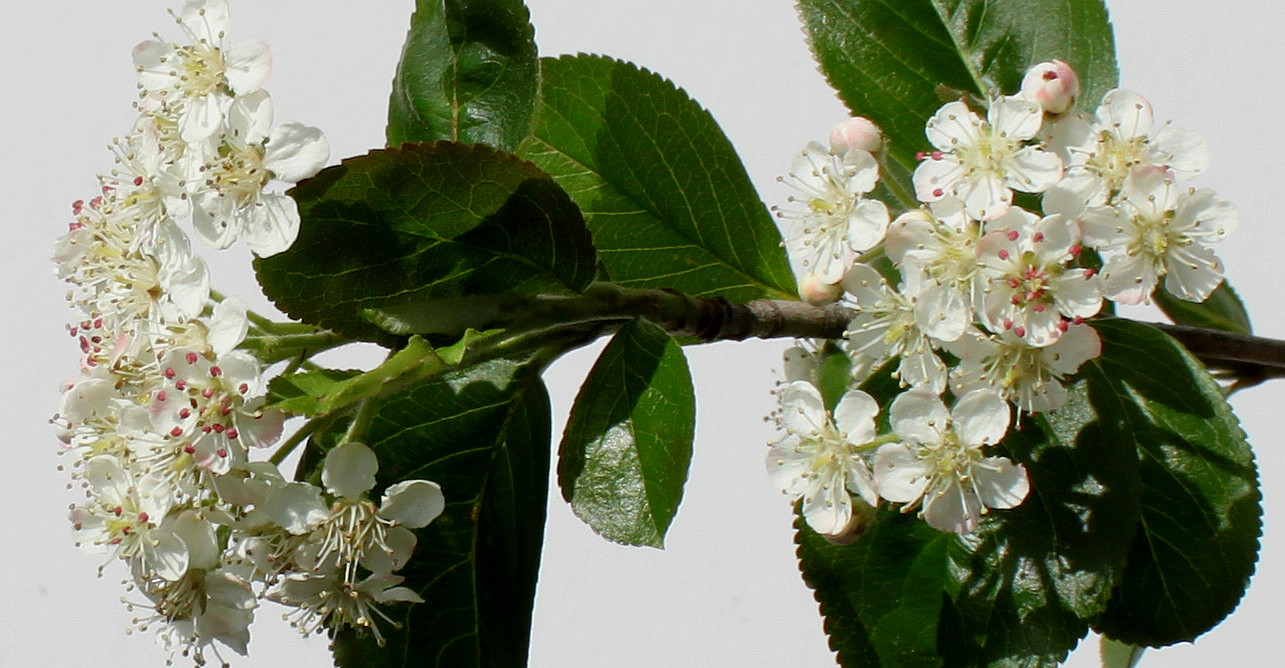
818, 293
858, 132
1053, 85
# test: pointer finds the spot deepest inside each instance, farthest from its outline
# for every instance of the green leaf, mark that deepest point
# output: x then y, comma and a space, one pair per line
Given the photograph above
454, 227
664, 192
303, 393
1223, 310
1116, 654
624, 456
469, 72
891, 61
1197, 542
881, 596
483, 434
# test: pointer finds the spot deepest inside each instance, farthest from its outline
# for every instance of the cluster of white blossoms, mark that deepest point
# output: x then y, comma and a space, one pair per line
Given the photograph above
1003, 291
165, 411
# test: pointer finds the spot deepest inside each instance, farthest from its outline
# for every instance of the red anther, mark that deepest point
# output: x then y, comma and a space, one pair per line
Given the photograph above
91, 362
117, 511
937, 155
216, 371
938, 192
206, 429
1075, 250
1037, 237
96, 339
191, 358
218, 428
1013, 282
1089, 272
225, 409
78, 526
180, 385
189, 448
142, 517
72, 227
73, 331
170, 373
185, 414
222, 452
207, 392
1063, 324
244, 388
138, 180
1003, 254
1049, 75
1008, 324
115, 541
1020, 332
1012, 235
98, 324
77, 206
919, 155
96, 202
1016, 300
1078, 320
232, 434
84, 345
1038, 308
176, 432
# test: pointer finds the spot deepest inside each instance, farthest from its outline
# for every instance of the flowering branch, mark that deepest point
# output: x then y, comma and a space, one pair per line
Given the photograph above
1247, 357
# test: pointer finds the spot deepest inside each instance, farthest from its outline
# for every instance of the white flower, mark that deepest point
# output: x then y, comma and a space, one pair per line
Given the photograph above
891, 323
942, 250
358, 531
836, 220
941, 466
231, 203
123, 517
196, 78
1031, 290
198, 609
819, 459
1028, 376
982, 161
1157, 229
1101, 153
326, 601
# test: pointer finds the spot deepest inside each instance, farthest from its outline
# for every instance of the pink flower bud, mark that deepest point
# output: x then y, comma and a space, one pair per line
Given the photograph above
856, 132
817, 293
1053, 85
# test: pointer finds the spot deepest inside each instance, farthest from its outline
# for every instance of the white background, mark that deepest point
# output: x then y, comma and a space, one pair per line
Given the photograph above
725, 591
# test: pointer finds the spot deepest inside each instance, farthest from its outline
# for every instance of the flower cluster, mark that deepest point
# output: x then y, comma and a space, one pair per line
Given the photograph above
164, 415
981, 298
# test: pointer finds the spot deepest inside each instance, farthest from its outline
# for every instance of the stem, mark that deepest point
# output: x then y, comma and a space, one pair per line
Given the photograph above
308, 341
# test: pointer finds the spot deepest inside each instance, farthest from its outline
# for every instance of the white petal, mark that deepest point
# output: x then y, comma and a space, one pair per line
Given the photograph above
1183, 151
198, 536
829, 511
937, 178
296, 151
250, 117
412, 503
802, 409
1000, 483
208, 20
1032, 170
1126, 113
980, 417
985, 196
202, 117
273, 225
1015, 118
1079, 344
402, 543
954, 123
900, 475
349, 470
1194, 272
296, 507
247, 64
948, 507
919, 416
866, 225
168, 556
942, 312
855, 416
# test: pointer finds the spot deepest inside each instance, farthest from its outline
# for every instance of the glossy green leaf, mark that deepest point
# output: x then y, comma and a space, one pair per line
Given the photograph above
666, 196
1223, 310
893, 61
881, 595
445, 225
624, 456
483, 434
469, 72
1197, 542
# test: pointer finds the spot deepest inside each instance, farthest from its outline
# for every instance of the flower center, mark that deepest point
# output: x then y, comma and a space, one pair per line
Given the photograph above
202, 69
